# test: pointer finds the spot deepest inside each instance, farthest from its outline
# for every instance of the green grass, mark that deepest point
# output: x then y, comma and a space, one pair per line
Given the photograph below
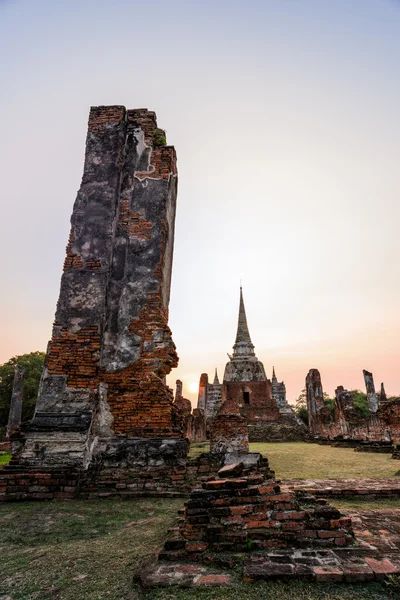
79, 549
4, 459
91, 550
311, 461
277, 591
198, 448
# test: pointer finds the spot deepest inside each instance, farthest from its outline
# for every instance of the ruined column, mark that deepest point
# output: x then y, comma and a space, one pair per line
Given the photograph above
104, 377
202, 398
383, 397
178, 390
183, 408
229, 431
315, 400
344, 410
15, 414
371, 394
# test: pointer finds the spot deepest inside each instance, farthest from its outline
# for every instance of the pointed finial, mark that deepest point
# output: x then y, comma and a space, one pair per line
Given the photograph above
273, 374
242, 334
242, 347
216, 380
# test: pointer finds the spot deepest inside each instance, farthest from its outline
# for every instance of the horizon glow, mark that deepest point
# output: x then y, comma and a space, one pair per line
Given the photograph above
285, 120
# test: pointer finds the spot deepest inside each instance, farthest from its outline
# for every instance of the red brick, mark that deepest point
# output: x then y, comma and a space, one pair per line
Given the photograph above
328, 573
195, 547
381, 567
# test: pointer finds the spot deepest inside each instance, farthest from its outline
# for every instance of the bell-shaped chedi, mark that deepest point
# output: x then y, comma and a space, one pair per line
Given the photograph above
245, 384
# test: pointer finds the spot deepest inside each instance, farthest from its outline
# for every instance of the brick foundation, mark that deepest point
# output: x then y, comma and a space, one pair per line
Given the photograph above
251, 513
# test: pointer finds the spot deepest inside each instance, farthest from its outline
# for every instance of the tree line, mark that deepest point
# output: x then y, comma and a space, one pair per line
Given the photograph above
33, 365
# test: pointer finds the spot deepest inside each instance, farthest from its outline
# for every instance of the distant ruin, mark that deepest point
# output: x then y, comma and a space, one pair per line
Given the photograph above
260, 401
379, 431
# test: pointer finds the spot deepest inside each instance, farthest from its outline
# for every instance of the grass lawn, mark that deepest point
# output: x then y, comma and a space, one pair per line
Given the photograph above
78, 549
90, 550
4, 459
311, 461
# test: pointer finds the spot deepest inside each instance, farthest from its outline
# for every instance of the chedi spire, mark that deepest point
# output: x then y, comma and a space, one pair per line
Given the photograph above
243, 346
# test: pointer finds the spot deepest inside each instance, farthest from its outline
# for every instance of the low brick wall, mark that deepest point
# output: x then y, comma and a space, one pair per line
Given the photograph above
17, 484
276, 432
130, 473
133, 483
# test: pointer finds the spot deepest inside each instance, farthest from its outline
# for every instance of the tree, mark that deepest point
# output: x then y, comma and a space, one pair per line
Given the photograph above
33, 364
360, 401
330, 403
300, 407
301, 401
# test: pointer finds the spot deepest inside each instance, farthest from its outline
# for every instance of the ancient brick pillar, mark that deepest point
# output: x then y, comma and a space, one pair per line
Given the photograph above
198, 426
315, 400
15, 414
111, 347
345, 413
202, 398
383, 397
183, 408
178, 390
229, 430
371, 394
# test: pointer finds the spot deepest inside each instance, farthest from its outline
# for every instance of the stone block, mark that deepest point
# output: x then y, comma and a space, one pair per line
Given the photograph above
231, 470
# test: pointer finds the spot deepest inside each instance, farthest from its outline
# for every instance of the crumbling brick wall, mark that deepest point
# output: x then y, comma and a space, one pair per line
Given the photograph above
348, 424
111, 346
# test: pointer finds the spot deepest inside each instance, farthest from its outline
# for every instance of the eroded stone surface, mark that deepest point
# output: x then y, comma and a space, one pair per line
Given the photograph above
111, 346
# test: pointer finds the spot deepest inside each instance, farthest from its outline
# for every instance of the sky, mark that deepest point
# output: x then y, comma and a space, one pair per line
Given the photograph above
285, 118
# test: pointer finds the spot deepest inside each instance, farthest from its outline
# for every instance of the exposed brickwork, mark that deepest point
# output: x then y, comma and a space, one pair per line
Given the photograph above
111, 346
75, 355
389, 413
261, 404
229, 433
133, 223
18, 484
100, 116
248, 514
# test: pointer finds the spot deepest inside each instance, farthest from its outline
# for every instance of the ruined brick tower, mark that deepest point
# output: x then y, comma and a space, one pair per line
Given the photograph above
103, 385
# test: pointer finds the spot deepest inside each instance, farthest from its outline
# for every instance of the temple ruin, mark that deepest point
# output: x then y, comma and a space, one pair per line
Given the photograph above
262, 402
103, 402
193, 422
379, 431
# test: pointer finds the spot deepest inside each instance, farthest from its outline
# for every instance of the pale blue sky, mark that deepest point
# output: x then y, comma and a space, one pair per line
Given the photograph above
285, 117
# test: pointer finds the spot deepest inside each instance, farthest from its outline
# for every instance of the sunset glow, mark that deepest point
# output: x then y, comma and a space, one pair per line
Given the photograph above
285, 123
